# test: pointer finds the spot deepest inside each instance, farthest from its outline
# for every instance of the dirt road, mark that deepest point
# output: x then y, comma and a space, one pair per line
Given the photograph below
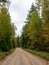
21, 57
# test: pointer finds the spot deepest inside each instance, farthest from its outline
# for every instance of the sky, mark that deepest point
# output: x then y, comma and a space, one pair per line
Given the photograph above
18, 11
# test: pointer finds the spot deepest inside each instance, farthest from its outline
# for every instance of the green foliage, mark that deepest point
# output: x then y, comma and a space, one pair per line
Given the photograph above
6, 30
18, 41
44, 38
5, 27
4, 54
35, 33
44, 55
31, 31
3, 0
44, 4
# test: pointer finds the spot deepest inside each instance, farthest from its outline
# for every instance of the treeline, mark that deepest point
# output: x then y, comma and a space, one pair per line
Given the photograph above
7, 29
35, 33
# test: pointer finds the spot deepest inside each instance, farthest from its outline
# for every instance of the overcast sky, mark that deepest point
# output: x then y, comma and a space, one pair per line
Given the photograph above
18, 12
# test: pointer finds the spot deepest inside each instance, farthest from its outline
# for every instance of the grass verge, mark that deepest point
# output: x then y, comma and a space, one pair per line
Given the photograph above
42, 54
4, 54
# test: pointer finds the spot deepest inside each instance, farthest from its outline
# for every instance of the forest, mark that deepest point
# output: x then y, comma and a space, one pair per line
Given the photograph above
7, 29
35, 32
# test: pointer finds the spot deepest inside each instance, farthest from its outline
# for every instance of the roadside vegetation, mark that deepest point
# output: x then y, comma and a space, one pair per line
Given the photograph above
7, 30
3, 54
42, 54
35, 33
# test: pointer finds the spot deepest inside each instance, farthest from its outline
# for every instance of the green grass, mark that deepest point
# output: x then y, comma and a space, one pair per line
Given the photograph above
4, 54
42, 54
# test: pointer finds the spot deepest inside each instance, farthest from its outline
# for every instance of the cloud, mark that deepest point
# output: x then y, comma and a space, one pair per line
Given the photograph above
18, 11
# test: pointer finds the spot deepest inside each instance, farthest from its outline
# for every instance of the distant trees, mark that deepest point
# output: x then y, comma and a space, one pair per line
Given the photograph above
18, 41
35, 33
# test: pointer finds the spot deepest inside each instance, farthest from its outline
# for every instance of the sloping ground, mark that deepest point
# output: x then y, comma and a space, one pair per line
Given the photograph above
21, 57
